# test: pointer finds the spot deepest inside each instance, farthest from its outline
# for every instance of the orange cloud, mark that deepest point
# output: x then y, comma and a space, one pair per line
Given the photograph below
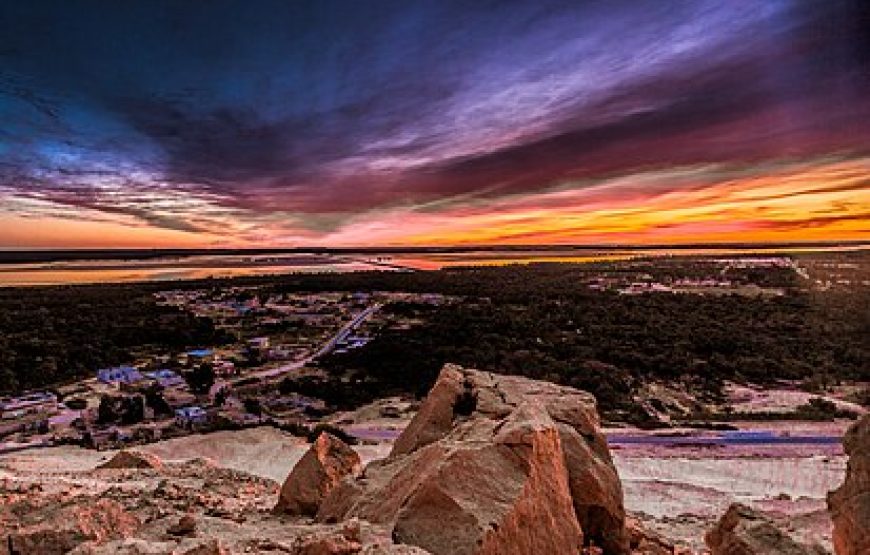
821, 200
826, 201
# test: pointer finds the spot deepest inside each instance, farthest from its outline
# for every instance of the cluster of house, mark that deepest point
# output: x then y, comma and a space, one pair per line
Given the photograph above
646, 283
131, 379
706, 282
349, 343
38, 402
640, 287
233, 308
121, 376
188, 417
227, 305
758, 262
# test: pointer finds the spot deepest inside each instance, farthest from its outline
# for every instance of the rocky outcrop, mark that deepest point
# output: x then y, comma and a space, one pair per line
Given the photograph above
350, 539
316, 474
645, 542
850, 503
210, 547
63, 529
743, 531
136, 546
132, 459
493, 464
393, 550
345, 541
186, 526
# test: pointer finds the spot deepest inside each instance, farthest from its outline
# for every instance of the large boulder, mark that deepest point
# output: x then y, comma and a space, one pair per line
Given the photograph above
744, 531
493, 464
850, 503
316, 474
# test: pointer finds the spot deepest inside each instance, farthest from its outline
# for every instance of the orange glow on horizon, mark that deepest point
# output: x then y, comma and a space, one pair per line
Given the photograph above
830, 202
824, 201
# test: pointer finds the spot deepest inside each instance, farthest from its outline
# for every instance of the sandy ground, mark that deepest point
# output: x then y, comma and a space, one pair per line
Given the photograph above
265, 452
53, 459
680, 492
682, 497
673, 486
757, 399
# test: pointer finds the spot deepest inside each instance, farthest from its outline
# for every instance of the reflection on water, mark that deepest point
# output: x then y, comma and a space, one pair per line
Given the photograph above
167, 269
198, 267
500, 258
436, 262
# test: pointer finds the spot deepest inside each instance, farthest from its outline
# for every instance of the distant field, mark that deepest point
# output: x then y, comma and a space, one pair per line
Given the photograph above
563, 322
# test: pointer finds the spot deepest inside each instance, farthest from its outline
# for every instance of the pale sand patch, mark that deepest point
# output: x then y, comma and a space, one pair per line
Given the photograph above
749, 399
671, 486
266, 452
64, 458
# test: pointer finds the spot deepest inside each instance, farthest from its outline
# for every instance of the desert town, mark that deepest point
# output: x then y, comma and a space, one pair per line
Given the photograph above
206, 389
161, 395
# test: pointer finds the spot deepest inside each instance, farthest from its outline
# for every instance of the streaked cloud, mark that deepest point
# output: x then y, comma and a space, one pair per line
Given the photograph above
435, 122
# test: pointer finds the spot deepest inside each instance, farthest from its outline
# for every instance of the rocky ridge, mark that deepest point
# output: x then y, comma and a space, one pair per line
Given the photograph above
490, 464
850, 503
744, 531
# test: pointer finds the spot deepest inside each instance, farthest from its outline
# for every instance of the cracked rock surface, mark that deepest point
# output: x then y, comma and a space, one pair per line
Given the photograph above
493, 464
850, 503
490, 465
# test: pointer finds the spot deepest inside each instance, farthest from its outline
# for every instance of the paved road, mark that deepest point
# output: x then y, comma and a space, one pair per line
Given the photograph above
325, 349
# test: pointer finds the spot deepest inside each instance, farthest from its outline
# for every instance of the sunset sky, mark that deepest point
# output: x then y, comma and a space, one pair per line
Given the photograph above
276, 123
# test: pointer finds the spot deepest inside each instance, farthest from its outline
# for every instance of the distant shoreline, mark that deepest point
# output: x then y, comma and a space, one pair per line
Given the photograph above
11, 256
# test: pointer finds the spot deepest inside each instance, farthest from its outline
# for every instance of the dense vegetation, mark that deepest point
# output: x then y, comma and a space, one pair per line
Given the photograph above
55, 334
537, 321
541, 321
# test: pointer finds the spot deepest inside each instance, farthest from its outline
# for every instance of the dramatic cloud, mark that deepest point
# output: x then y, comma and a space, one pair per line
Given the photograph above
433, 122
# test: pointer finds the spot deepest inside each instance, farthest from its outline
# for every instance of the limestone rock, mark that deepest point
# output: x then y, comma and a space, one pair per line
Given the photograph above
316, 474
129, 546
67, 527
186, 526
132, 459
850, 503
494, 464
646, 542
210, 547
743, 531
345, 541
393, 550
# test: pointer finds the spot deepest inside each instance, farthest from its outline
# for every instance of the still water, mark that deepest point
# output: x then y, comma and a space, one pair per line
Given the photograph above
196, 267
